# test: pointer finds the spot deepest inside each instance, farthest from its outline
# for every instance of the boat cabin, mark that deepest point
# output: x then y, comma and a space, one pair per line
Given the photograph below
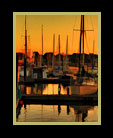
39, 72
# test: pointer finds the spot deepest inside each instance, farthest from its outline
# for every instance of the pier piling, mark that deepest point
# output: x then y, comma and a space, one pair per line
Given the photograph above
68, 91
59, 88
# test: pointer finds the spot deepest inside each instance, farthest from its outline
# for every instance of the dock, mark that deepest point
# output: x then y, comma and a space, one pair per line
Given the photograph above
45, 81
60, 99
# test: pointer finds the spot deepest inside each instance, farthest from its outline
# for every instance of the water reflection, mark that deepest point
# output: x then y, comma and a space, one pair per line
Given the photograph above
59, 109
45, 89
81, 112
57, 113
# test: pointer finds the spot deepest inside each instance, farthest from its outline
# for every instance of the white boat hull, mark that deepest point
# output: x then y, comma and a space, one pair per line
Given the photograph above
84, 89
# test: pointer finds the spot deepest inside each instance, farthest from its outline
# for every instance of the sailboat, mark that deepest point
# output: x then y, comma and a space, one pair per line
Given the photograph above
94, 71
42, 68
66, 69
56, 70
24, 72
67, 73
84, 84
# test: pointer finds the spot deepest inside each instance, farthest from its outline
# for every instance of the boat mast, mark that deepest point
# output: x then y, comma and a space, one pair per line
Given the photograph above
67, 50
59, 49
80, 46
25, 57
25, 39
41, 62
93, 56
83, 37
53, 48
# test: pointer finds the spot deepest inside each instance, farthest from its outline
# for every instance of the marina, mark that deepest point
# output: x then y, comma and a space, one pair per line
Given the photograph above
58, 87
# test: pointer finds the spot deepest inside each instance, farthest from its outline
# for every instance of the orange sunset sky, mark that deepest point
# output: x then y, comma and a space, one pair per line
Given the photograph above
58, 24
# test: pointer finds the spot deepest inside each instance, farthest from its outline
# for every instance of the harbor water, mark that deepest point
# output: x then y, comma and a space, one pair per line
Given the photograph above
54, 113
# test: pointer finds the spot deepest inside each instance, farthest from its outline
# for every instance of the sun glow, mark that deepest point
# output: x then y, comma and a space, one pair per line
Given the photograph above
58, 24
